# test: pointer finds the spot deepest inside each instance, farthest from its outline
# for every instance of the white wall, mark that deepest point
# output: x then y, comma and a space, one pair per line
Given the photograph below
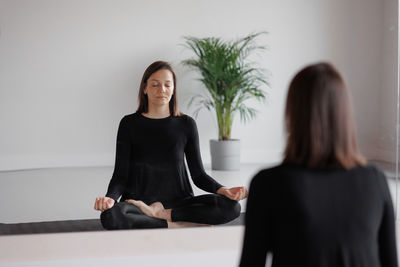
69, 70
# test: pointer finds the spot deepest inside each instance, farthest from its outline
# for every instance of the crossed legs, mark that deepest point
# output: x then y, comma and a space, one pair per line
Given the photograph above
157, 210
201, 210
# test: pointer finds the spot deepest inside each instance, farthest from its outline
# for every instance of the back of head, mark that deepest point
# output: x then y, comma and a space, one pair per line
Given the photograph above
319, 120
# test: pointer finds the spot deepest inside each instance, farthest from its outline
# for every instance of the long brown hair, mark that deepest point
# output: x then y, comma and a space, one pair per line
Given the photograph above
142, 98
319, 120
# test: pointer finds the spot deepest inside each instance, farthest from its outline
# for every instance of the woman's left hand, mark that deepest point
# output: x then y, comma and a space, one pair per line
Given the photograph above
234, 193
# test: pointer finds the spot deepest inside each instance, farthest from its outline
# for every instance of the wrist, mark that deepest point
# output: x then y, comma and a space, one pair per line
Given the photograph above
221, 190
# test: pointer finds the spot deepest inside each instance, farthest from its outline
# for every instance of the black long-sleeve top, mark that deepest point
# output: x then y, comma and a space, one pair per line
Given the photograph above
320, 218
149, 164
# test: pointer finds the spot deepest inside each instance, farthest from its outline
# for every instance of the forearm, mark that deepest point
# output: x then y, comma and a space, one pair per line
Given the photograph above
116, 187
122, 160
206, 183
113, 193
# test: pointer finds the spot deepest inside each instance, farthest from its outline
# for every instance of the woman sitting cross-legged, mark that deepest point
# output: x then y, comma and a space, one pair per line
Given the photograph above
150, 174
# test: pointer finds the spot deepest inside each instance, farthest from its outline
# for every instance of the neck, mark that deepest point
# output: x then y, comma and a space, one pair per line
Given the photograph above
158, 112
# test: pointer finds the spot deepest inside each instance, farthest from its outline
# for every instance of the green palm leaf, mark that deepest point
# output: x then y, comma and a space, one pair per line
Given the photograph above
228, 76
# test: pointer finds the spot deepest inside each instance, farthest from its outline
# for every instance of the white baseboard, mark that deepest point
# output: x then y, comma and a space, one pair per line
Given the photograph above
271, 156
39, 161
23, 162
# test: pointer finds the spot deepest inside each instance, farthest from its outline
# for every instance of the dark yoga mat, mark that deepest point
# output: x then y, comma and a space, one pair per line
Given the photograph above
69, 226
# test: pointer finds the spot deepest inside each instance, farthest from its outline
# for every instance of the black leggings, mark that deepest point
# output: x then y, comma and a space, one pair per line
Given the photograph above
206, 209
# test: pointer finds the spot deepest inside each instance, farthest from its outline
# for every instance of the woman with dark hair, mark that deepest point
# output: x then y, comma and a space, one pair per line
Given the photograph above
150, 174
324, 205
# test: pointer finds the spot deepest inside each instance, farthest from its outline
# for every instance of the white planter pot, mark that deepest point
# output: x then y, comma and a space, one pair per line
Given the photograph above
225, 155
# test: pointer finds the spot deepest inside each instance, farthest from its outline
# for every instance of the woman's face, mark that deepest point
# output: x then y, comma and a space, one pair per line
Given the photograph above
159, 88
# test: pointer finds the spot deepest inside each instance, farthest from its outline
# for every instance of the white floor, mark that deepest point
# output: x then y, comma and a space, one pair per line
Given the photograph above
69, 193
195, 247
63, 194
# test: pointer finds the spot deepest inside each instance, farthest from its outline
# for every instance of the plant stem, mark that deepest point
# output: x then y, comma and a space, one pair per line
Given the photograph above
220, 121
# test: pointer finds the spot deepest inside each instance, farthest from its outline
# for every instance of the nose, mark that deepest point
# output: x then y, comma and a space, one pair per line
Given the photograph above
163, 88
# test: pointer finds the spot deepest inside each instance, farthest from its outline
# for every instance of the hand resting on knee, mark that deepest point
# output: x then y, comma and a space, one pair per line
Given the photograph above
103, 203
234, 193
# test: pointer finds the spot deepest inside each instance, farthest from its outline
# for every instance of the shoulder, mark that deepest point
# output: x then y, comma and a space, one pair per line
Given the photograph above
369, 171
188, 122
376, 175
279, 169
373, 168
131, 116
265, 183
279, 175
126, 119
268, 175
186, 118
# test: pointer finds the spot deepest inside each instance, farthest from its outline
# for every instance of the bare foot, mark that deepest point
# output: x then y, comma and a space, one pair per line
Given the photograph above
157, 207
155, 210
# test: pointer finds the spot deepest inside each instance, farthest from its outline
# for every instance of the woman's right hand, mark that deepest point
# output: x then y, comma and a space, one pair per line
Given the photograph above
103, 203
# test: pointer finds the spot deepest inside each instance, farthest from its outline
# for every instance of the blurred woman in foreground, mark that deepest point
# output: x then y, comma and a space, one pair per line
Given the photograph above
324, 205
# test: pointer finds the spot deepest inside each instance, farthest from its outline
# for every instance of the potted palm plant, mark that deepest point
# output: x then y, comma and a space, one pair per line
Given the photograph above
230, 79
